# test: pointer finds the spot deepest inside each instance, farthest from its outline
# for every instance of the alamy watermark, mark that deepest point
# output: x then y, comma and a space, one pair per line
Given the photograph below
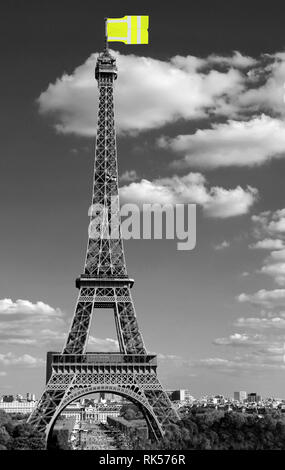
149, 221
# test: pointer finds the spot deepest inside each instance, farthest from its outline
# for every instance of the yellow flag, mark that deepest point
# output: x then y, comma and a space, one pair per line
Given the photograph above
129, 29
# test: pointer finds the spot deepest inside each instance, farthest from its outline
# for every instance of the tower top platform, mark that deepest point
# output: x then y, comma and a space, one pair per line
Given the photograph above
106, 64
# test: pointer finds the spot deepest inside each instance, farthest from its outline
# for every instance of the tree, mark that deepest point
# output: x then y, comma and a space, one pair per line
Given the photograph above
130, 411
4, 437
224, 431
130, 414
59, 440
22, 430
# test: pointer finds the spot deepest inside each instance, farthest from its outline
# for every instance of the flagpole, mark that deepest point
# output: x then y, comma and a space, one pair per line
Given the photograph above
106, 36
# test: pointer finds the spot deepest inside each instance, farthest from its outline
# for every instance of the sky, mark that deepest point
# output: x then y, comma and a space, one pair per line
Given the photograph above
200, 117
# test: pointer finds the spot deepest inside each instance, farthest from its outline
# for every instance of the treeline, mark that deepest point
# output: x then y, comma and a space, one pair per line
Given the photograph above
130, 412
16, 434
218, 430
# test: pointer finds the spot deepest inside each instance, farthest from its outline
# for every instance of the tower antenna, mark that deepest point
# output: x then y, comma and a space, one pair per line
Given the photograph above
106, 49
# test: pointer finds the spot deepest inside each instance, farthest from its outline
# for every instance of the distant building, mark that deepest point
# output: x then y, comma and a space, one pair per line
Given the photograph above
187, 396
31, 397
220, 399
8, 398
253, 397
180, 395
102, 398
97, 412
18, 407
73, 410
240, 396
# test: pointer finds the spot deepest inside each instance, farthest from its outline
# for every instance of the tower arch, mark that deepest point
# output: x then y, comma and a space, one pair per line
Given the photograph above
155, 429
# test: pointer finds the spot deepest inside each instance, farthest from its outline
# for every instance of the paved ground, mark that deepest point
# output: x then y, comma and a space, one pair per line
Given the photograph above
96, 436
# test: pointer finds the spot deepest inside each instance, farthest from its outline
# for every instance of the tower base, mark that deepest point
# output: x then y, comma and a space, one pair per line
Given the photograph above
133, 376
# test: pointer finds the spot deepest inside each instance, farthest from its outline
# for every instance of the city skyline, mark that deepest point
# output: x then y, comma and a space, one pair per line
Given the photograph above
29, 396
212, 135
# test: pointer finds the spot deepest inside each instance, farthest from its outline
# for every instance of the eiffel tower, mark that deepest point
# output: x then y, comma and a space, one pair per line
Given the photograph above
131, 373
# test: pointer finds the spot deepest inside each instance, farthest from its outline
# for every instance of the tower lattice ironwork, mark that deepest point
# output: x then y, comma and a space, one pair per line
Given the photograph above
130, 373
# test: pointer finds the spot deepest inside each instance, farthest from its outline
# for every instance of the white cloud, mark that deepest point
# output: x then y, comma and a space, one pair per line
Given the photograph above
278, 224
3, 373
172, 361
261, 218
230, 202
191, 63
48, 336
101, 344
269, 222
238, 339
266, 298
275, 270
268, 94
278, 255
236, 60
268, 244
10, 359
214, 361
128, 176
262, 352
167, 357
149, 93
16, 341
221, 246
25, 323
15, 332
26, 308
192, 188
234, 143
241, 365
260, 323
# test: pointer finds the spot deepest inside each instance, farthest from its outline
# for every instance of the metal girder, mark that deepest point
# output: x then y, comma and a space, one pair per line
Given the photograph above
129, 337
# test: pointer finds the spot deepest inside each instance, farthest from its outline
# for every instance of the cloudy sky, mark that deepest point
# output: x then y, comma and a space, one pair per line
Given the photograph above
200, 118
